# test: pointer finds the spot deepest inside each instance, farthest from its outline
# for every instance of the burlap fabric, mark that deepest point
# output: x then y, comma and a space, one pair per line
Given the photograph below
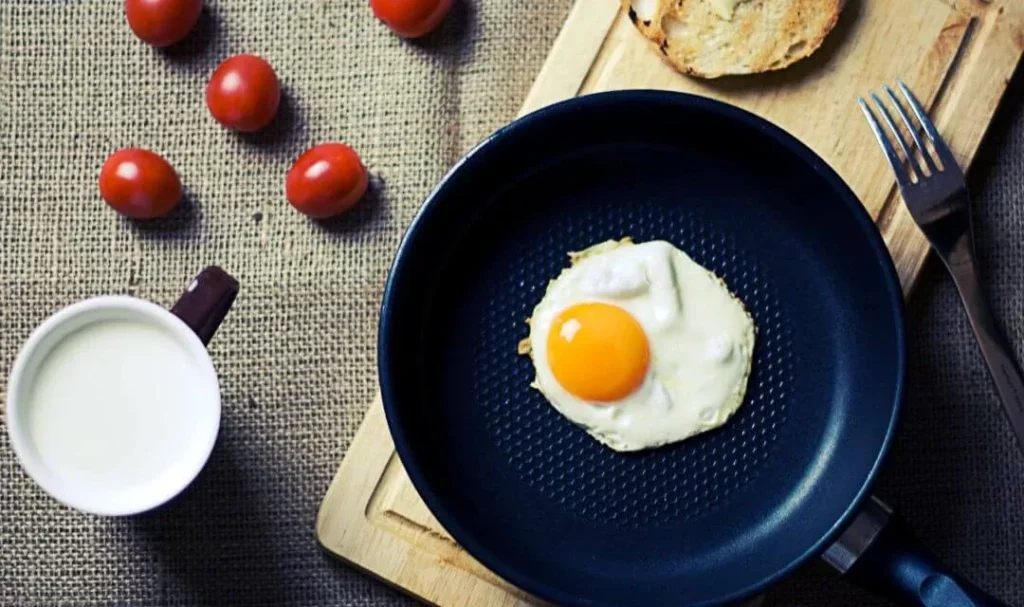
296, 355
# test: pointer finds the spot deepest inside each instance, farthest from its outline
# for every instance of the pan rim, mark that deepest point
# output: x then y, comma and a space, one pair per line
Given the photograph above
406, 250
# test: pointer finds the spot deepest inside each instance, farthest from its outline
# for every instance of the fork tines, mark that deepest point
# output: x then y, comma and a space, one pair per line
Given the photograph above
917, 173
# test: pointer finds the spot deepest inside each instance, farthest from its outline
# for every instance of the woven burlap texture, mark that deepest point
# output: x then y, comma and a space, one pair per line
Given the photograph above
296, 355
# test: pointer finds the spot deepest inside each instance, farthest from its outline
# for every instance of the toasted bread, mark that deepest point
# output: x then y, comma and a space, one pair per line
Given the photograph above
712, 38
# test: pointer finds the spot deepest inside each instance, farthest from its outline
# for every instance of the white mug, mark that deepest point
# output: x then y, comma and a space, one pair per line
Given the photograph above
113, 404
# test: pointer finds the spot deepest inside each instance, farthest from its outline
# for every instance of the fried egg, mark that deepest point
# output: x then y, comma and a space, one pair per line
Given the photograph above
640, 345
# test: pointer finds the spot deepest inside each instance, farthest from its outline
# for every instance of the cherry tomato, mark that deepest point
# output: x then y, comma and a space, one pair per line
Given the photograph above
411, 18
326, 180
243, 93
139, 184
162, 22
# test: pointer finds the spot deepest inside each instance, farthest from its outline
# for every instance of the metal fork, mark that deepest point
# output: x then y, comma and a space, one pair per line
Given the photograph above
940, 204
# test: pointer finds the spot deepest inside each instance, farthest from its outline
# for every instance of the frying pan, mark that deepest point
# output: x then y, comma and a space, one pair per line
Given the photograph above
712, 519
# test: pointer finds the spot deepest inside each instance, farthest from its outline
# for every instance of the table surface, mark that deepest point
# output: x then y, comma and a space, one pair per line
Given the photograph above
296, 355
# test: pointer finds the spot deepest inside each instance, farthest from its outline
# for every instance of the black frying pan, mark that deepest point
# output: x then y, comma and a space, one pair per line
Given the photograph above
712, 519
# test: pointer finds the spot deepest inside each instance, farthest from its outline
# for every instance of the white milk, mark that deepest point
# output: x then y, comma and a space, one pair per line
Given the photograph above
112, 404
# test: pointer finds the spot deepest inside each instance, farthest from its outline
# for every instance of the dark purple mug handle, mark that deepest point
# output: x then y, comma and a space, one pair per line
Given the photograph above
206, 302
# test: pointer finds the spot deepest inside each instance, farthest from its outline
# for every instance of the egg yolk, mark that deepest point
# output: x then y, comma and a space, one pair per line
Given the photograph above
598, 352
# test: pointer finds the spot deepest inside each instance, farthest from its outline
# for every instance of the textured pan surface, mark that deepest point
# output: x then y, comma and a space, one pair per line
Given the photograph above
656, 487
709, 519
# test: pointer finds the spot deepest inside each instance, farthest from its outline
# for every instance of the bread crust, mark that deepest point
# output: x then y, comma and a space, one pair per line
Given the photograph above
761, 35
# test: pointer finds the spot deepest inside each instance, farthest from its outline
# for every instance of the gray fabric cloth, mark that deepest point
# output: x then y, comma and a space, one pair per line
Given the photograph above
296, 355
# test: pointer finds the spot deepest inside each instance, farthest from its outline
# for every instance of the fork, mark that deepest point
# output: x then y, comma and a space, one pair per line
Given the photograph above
940, 205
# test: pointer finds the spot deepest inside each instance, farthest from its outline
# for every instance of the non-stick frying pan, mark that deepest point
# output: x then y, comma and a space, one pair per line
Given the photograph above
714, 518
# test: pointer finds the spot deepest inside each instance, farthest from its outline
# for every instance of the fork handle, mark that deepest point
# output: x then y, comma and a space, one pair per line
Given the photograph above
994, 348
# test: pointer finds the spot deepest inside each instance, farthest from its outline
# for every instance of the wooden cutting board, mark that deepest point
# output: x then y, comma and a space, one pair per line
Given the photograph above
957, 55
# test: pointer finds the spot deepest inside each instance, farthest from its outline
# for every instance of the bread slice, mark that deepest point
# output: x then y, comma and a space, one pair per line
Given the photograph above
712, 38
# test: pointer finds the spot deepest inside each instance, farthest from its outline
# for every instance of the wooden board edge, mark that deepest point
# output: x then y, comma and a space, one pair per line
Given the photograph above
387, 557
372, 454
992, 51
573, 53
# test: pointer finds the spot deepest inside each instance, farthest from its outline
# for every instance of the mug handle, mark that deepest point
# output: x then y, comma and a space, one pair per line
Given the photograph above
206, 302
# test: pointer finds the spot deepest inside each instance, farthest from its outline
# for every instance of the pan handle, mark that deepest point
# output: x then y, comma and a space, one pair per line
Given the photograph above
880, 554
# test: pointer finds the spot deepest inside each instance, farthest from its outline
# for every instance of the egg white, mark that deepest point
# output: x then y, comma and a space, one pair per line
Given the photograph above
701, 342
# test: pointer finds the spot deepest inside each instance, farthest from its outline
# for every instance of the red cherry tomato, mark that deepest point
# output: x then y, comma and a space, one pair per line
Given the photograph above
243, 93
326, 180
411, 18
162, 22
139, 184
